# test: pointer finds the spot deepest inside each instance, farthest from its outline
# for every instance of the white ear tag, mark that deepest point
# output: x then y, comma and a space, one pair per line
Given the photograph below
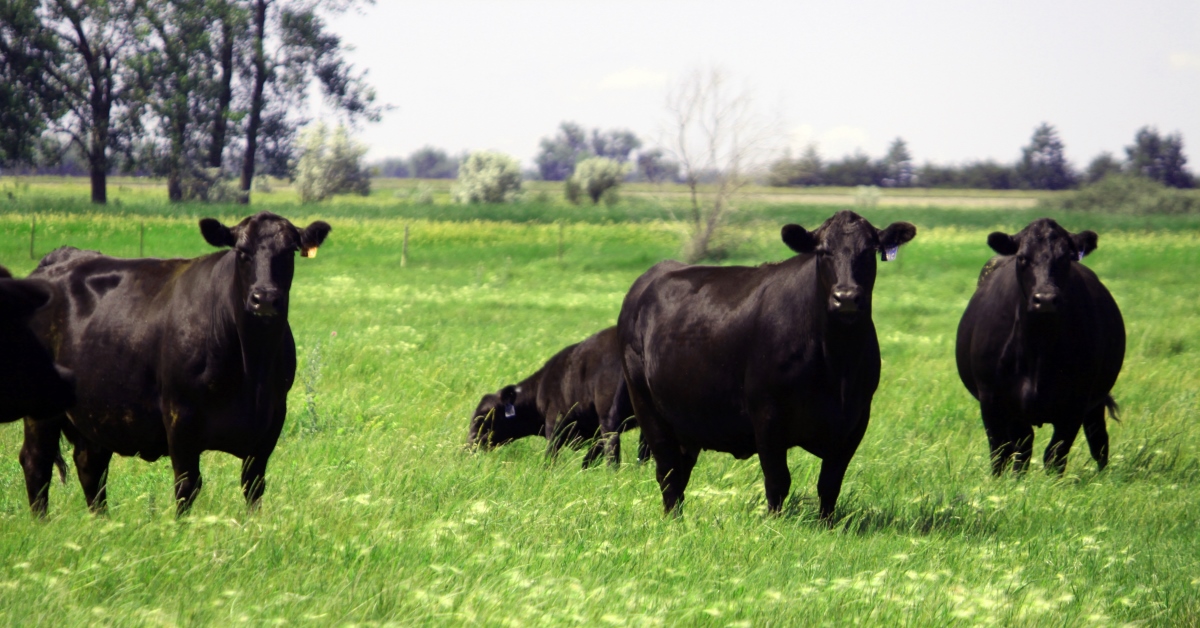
509, 411
889, 254
1081, 254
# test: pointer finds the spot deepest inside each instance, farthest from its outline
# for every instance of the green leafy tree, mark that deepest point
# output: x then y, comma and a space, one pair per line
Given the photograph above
1159, 158
597, 177
558, 155
28, 102
898, 169
653, 166
1102, 166
330, 165
70, 56
488, 177
432, 163
616, 144
1043, 166
287, 49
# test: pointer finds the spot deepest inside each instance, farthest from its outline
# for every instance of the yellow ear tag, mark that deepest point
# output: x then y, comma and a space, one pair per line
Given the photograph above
308, 251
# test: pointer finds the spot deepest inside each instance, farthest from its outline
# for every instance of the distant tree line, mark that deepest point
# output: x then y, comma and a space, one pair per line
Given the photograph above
556, 159
1042, 166
196, 91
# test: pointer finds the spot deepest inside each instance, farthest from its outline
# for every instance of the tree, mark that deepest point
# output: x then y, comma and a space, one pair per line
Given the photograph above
74, 82
615, 144
853, 170
898, 170
1159, 158
558, 155
805, 170
1103, 165
653, 166
329, 166
432, 163
1043, 165
173, 65
28, 102
598, 177
488, 177
289, 48
715, 131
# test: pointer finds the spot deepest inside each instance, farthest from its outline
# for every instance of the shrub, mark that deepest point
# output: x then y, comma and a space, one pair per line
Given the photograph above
330, 166
1128, 194
598, 177
487, 177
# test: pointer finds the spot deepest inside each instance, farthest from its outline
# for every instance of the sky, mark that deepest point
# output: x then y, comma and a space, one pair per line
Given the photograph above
958, 81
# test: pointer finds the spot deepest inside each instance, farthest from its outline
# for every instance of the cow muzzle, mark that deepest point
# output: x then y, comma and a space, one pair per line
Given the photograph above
1043, 302
265, 302
845, 300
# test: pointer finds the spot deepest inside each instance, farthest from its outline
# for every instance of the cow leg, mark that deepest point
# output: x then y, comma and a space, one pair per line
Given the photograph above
616, 421
254, 467
1021, 439
643, 447
674, 464
999, 444
1096, 432
91, 464
1060, 446
186, 465
777, 478
833, 468
39, 453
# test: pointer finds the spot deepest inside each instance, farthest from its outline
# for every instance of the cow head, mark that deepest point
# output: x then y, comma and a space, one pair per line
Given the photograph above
502, 418
265, 246
1044, 252
845, 248
30, 383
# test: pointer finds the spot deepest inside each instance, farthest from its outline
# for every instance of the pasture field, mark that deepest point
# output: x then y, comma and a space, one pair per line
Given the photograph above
375, 514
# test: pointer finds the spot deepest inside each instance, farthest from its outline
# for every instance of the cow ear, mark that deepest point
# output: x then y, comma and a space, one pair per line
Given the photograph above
216, 233
893, 236
1085, 242
314, 234
1003, 243
799, 239
4, 274
20, 298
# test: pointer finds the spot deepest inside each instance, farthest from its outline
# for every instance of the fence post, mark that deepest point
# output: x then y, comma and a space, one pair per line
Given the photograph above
404, 249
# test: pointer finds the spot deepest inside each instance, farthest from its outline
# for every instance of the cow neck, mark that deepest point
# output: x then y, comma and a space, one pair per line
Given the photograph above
842, 343
258, 338
1032, 339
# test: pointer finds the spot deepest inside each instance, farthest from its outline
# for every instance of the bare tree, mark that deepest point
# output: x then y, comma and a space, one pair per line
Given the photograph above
720, 141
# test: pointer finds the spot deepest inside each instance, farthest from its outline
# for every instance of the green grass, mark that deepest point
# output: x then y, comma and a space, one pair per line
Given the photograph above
375, 514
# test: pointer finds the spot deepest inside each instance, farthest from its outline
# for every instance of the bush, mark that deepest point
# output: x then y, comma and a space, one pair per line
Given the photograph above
330, 166
1128, 194
598, 177
487, 177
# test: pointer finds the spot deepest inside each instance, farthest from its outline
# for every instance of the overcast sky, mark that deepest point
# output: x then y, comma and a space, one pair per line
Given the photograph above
957, 80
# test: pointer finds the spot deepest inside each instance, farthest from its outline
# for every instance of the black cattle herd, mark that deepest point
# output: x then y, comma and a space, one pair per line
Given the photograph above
151, 357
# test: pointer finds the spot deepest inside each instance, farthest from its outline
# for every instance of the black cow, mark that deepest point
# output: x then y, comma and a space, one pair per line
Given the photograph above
759, 360
566, 400
30, 383
171, 357
1042, 341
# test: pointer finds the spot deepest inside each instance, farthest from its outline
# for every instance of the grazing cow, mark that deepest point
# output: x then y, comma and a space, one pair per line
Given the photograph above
565, 401
1041, 341
759, 360
171, 357
30, 383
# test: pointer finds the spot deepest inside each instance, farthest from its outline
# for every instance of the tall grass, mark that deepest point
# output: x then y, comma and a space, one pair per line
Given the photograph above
374, 513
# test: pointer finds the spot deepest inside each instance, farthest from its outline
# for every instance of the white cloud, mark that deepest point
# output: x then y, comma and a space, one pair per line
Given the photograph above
1185, 61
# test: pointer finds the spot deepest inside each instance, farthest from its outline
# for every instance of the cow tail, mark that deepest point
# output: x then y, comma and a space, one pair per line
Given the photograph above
1114, 411
62, 467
